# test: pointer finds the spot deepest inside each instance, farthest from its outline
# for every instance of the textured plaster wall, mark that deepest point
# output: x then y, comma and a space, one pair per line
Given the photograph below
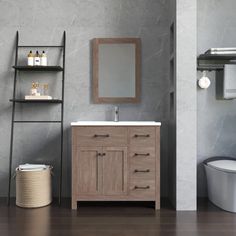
172, 107
216, 118
43, 22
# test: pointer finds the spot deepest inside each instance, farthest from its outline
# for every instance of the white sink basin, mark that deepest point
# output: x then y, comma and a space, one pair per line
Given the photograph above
113, 123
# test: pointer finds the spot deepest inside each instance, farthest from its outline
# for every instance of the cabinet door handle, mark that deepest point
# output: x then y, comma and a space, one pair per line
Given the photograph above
141, 171
142, 135
101, 135
142, 154
101, 154
141, 187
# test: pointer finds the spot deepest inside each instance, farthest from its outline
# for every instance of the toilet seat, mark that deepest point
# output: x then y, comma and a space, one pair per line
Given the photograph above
224, 165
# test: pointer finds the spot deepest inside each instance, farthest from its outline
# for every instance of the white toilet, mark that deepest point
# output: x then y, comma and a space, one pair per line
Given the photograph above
221, 182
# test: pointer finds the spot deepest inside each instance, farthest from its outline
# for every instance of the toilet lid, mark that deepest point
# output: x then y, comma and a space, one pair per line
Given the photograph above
224, 165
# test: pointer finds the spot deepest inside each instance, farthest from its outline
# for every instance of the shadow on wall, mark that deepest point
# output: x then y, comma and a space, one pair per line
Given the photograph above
201, 183
6, 74
90, 71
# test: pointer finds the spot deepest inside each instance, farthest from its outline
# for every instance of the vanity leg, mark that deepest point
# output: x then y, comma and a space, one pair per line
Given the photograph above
158, 171
73, 204
157, 205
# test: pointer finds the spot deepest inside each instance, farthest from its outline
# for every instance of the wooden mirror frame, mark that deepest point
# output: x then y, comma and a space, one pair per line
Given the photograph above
95, 45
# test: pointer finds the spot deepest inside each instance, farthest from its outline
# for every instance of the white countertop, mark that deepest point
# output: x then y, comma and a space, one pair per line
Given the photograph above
113, 123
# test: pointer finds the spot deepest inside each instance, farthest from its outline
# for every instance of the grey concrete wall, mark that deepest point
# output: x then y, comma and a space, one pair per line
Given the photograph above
186, 104
172, 107
216, 118
43, 22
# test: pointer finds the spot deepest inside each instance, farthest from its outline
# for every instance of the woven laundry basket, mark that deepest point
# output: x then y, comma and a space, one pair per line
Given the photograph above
33, 188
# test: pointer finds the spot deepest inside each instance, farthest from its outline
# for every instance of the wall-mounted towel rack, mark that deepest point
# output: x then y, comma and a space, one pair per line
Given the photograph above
213, 62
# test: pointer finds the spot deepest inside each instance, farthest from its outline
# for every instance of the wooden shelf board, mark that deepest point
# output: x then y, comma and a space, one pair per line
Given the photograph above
38, 68
36, 101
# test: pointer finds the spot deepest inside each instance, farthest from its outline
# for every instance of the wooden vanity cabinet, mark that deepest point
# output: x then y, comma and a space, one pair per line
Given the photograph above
115, 164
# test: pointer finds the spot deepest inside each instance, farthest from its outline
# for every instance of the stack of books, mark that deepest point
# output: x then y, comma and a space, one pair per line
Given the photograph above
221, 51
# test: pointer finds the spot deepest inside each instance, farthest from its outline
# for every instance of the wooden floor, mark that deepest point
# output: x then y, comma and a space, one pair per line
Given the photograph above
102, 219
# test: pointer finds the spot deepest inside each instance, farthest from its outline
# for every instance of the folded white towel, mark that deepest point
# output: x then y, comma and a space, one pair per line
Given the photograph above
229, 87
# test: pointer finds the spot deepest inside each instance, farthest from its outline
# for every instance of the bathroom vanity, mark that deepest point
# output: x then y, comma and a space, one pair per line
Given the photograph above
115, 161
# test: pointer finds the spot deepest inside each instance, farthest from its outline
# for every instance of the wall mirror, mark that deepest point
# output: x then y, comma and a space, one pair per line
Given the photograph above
116, 70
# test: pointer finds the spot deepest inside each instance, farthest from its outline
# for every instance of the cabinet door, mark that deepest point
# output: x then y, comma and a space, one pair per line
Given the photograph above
89, 176
114, 171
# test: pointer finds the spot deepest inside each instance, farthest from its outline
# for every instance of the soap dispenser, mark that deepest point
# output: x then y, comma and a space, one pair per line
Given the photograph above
43, 59
116, 117
30, 59
37, 59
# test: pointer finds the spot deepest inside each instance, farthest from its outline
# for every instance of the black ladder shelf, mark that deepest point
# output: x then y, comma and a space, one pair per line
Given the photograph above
15, 100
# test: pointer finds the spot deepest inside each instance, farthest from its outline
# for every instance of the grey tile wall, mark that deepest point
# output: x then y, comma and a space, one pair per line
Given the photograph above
42, 22
216, 118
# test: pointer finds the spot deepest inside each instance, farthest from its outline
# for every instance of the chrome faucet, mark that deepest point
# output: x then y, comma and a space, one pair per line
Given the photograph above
116, 116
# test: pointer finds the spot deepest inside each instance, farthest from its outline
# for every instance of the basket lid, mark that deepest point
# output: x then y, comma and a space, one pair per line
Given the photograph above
32, 167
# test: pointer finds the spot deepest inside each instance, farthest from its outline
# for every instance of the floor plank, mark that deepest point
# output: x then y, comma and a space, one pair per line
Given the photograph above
103, 219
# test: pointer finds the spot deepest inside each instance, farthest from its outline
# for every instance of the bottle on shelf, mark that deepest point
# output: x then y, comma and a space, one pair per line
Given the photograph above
45, 89
33, 91
37, 59
43, 59
37, 85
30, 61
38, 92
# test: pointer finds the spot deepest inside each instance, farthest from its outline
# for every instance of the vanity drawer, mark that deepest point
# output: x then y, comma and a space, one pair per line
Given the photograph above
142, 162
142, 189
142, 136
142, 153
142, 170
100, 136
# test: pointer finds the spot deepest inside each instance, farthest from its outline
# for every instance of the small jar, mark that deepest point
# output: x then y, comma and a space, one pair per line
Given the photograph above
33, 91
37, 85
45, 89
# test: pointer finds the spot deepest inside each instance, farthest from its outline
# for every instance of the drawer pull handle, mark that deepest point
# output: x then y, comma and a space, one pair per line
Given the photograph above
101, 154
142, 154
141, 187
142, 135
141, 171
101, 135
